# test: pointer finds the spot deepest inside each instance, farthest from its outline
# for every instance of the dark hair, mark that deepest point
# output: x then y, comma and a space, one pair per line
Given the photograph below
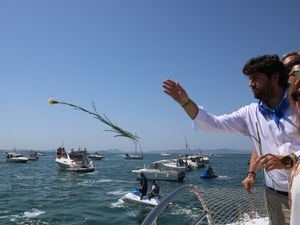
289, 54
293, 61
267, 64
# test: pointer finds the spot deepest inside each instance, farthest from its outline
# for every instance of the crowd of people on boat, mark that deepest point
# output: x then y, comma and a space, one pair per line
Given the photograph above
181, 162
273, 124
61, 152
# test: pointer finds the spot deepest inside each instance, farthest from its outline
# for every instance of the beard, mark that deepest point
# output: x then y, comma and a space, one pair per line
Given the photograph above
264, 93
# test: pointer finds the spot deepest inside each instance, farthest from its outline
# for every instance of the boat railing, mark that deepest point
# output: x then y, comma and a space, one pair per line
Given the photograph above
152, 216
217, 205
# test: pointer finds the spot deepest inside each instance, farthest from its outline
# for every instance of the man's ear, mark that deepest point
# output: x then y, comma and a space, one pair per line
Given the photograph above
275, 77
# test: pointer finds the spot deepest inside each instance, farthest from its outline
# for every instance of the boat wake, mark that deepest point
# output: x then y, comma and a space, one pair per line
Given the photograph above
119, 204
246, 220
33, 214
89, 183
23, 218
25, 177
103, 181
191, 213
119, 192
224, 178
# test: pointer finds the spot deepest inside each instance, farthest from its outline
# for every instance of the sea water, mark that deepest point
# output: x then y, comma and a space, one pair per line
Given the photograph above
38, 192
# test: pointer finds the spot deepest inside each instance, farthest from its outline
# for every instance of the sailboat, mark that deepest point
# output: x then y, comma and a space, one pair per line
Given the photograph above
135, 155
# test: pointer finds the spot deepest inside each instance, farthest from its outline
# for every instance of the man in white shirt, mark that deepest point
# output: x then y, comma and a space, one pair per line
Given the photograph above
270, 124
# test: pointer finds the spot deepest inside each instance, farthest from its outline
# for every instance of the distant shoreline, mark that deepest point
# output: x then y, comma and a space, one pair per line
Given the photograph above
177, 151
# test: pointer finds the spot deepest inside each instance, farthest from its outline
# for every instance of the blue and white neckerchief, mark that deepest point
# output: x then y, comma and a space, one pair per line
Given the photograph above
277, 113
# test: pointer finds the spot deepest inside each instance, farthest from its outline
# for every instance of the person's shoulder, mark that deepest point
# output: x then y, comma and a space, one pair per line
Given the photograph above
249, 108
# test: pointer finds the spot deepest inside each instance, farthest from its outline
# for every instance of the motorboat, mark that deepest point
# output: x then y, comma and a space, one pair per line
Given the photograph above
41, 154
178, 165
135, 196
33, 155
175, 166
159, 164
164, 154
96, 156
135, 156
15, 157
159, 174
75, 160
195, 162
198, 158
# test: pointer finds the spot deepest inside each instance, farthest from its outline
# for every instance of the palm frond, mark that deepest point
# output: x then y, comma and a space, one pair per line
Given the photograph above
104, 119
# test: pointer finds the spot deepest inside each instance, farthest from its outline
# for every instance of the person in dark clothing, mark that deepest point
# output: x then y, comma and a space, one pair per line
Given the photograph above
144, 185
155, 190
210, 171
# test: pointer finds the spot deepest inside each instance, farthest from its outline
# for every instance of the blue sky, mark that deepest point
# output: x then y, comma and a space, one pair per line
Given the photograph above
117, 53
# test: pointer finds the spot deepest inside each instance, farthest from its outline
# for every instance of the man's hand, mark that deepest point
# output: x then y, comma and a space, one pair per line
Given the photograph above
270, 162
248, 182
173, 89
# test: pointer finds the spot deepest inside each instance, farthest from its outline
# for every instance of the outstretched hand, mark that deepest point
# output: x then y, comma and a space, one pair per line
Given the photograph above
173, 89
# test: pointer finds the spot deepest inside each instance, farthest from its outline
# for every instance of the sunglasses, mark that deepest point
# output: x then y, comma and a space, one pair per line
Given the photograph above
295, 74
296, 96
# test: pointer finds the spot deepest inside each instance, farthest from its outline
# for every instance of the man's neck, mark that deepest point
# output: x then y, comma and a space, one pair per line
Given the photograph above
275, 100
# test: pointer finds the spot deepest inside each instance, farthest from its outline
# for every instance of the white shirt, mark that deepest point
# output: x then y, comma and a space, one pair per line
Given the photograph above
295, 196
275, 140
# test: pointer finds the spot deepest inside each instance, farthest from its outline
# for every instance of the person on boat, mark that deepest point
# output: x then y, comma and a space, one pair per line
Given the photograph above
180, 162
155, 191
59, 152
144, 185
271, 118
210, 172
64, 153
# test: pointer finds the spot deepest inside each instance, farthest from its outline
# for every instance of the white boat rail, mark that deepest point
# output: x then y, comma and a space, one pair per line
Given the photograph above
219, 206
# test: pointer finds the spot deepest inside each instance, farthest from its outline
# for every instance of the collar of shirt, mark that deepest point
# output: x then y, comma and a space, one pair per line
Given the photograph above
277, 113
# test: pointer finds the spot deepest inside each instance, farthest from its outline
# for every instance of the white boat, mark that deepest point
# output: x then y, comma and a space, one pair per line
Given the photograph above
41, 154
194, 165
76, 161
199, 158
96, 156
135, 196
15, 157
178, 165
135, 156
33, 156
164, 154
174, 166
132, 156
159, 164
158, 174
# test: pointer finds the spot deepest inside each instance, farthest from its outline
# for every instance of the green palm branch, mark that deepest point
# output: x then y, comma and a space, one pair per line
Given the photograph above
114, 127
